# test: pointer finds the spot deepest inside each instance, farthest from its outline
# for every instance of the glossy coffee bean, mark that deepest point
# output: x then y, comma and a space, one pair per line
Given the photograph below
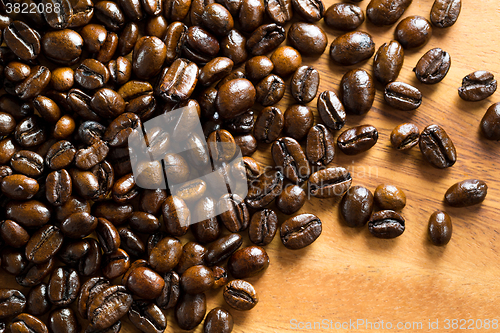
240, 295
386, 224
344, 16
477, 86
63, 320
171, 291
196, 279
177, 82
199, 45
490, 123
64, 286
244, 123
108, 307
466, 193
320, 146
149, 54
269, 124
144, 282
19, 187
304, 84
12, 302
91, 74
331, 110
176, 216
22, 40
13, 234
165, 255
388, 62
298, 120
60, 155
31, 131
386, 12
215, 70
109, 14
208, 229
290, 200
90, 263
329, 182
300, 231
217, 19
402, 96
405, 136
444, 13
265, 38
440, 228
389, 197
62, 46
107, 235
352, 48
79, 225
270, 90
247, 144
233, 46
8, 123
307, 38
309, 10
437, 147
218, 320
286, 60
248, 261
16, 71
222, 248
64, 127
44, 244
357, 139
27, 323
27, 163
264, 189
356, 206
258, 67
413, 32
190, 310
29, 214
279, 11
14, 262
115, 264
233, 212
433, 66
147, 317
192, 254
358, 91
34, 274
263, 227
89, 290
234, 98
37, 301
288, 155
94, 36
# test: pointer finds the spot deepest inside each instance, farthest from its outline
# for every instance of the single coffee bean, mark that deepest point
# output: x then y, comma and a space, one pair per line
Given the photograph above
413, 32
44, 244
466, 193
37, 302
170, 293
298, 120
16, 71
94, 36
279, 11
235, 97
437, 147
490, 124
357, 139
264, 189
356, 206
388, 62
115, 264
89, 290
34, 274
19, 187
358, 91
29, 214
109, 14
352, 48
199, 45
12, 302
405, 136
192, 254
263, 227
309, 10
300, 231
177, 82
288, 155
270, 90
8, 147
386, 12
64, 286
63, 320
13, 261
176, 216
233, 212
215, 70
433, 66
79, 225
244, 123
329, 182
265, 38
64, 127
222, 248
291, 199
220, 277
233, 46
286, 60
149, 54
248, 261
386, 224
91, 74
62, 46
402, 96
477, 86
90, 263
444, 13
304, 84
217, 19
331, 110
320, 146
107, 103
108, 307
131, 243
79, 102
190, 310
389, 197
247, 144
22, 40
165, 255
344, 16
258, 67
144, 282
307, 38
60, 155
440, 228
197, 279
30, 132
147, 317
13, 234
269, 124
218, 320
27, 323
208, 229
221, 146
240, 295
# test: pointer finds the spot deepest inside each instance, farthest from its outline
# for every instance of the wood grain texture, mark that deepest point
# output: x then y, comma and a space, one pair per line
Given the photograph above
347, 274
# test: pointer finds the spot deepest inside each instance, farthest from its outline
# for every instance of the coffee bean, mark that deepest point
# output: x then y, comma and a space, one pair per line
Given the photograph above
320, 146
147, 317
307, 38
329, 182
352, 48
444, 13
64, 285
304, 84
165, 255
358, 91
490, 122
29, 214
437, 147
405, 136
91, 74
247, 262
291, 199
270, 90
16, 71
109, 14
386, 224
344, 16
300, 231
13, 261
298, 121
433, 66
79, 225
22, 40
389, 197
218, 320
199, 45
44, 244
288, 155
309, 10
269, 124
12, 302
60, 155
279, 11
30, 132
190, 310
148, 57
466, 193
402, 96
235, 97
170, 293
233, 212
263, 227
63, 320
222, 248
108, 307
90, 263
13, 234
19, 187
208, 229
27, 323
37, 302
244, 123
62, 46
331, 110
356, 206
258, 67
177, 82
386, 12
264, 189
196, 279
413, 32
115, 264
33, 274
265, 38
240, 295
388, 62
357, 139
477, 86
233, 46
286, 60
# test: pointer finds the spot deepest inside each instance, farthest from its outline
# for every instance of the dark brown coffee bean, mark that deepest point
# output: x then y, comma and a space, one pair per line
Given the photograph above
165, 255
220, 277
64, 127
240, 295
437, 147
356, 206
329, 182
27, 323
79, 102
234, 98
85, 183
157, 26
47, 108
178, 82
307, 38
108, 307
309, 10
405, 136
386, 224
413, 32
108, 235
44, 244
357, 139
174, 39
477, 86
79, 225
128, 38
176, 216
466, 193
16, 71
444, 13
233, 46
244, 123
88, 292
264, 189
247, 262
388, 62
222, 248
433, 66
132, 9
288, 155
22, 40
300, 231
196, 279
131, 243
109, 14
13, 234
63, 320
60, 155
358, 91
94, 36
344, 16
170, 293
192, 254
197, 9
247, 144
12, 303
331, 110
13, 261
320, 146
29, 214
34, 274
90, 263
352, 48
91, 74
64, 286
290, 200
490, 123
71, 252
19, 187
30, 132
440, 228
107, 103
62, 46
38, 302
389, 197
402, 96
251, 14
147, 317
304, 84
298, 120
215, 70
218, 320
190, 310
270, 90
263, 227
153, 7
279, 11
114, 212
217, 19
208, 229
265, 38
199, 45
258, 67
269, 124
149, 54
233, 212
286, 60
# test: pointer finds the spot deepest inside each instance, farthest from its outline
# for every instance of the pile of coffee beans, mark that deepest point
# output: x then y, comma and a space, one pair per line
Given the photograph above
93, 242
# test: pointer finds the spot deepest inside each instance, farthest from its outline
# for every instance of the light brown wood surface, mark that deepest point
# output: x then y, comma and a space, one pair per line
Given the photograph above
347, 274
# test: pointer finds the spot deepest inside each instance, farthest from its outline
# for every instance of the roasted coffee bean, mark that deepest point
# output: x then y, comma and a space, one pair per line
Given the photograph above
220, 277
288, 155
329, 182
217, 19
108, 236
13, 261
263, 227
320, 146
12, 303
131, 243
252, 168
440, 228
60, 155
22, 40
286, 60
352, 48
16, 71
233, 212
300, 231
91, 74
85, 183
29, 214
208, 229
115, 264
192, 254
120, 128
270, 90
109, 14
71, 252
248, 261
233, 46
386, 224
133, 89
149, 54
247, 144
30, 132
218, 320
215, 70
358, 91
128, 38
64, 127
251, 14
47, 108
477, 86
44, 244
240, 295
413, 32
174, 39
356, 206
37, 302
64, 285
388, 62
4, 172
199, 45
178, 82
386, 12
222, 248
234, 98
79, 102
243, 123
19, 187
165, 255
344, 16
62, 46
357, 139
144, 222
147, 317
402, 96
490, 122
107, 103
62, 78
27, 323
437, 147
170, 293
190, 310
264, 189
298, 120
132, 9
307, 38
269, 124
405, 136
389, 197
88, 292
151, 200
7, 123
13, 234
90, 263
176, 216
94, 36
331, 110
157, 26
196, 279
197, 9
466, 193
34, 274
125, 189
79, 225
114, 212
108, 307
309, 10
304, 84
63, 320
433, 66
290, 200
258, 67
444, 13
265, 38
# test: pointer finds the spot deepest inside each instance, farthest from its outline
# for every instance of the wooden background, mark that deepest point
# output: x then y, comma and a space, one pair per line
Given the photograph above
347, 274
